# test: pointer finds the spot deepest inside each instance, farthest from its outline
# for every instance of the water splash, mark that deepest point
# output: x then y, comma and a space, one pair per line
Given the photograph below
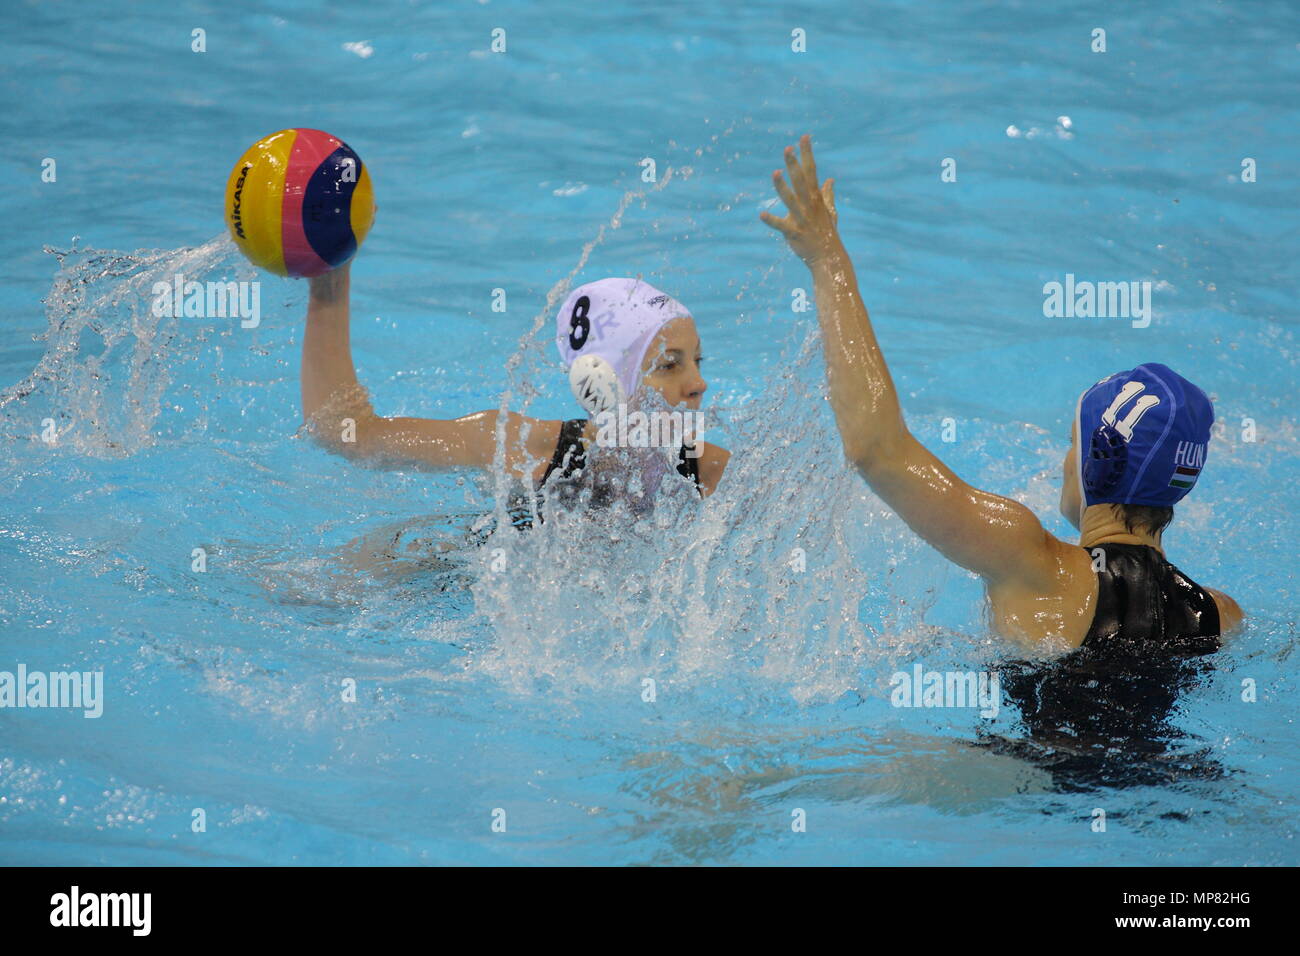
108, 358
762, 582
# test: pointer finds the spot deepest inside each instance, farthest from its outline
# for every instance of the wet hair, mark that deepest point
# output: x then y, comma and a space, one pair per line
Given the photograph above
1144, 519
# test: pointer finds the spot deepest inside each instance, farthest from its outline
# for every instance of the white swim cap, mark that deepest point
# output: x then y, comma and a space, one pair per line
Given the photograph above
609, 324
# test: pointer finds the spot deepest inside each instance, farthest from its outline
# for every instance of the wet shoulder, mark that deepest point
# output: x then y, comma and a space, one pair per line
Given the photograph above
1057, 609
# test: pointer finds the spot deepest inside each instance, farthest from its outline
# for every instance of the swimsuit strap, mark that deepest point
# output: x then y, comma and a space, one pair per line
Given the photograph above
570, 453
688, 467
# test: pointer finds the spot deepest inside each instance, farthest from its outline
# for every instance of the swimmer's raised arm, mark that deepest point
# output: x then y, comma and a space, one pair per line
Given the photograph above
338, 412
996, 537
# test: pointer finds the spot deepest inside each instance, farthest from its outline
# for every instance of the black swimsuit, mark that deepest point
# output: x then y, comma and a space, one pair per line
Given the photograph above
1105, 714
567, 465
1144, 603
571, 455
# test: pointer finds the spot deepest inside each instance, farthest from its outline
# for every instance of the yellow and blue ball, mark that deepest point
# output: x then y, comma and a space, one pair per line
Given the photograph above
299, 202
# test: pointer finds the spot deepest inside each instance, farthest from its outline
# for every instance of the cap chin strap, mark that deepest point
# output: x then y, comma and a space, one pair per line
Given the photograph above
595, 385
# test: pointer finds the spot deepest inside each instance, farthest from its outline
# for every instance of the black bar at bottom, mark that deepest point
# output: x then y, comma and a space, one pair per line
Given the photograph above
210, 905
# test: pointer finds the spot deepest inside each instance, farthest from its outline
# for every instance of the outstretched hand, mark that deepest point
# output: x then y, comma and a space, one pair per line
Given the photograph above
810, 223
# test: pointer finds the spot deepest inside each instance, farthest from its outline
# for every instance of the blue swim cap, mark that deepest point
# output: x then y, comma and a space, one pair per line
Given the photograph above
1142, 437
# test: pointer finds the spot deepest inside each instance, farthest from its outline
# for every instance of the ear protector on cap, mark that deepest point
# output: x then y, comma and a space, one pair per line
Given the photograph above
1107, 460
595, 384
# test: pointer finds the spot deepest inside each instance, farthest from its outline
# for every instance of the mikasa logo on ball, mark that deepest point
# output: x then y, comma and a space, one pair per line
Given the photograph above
234, 212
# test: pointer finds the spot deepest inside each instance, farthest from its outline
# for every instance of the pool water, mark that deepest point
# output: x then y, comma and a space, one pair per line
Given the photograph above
348, 679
